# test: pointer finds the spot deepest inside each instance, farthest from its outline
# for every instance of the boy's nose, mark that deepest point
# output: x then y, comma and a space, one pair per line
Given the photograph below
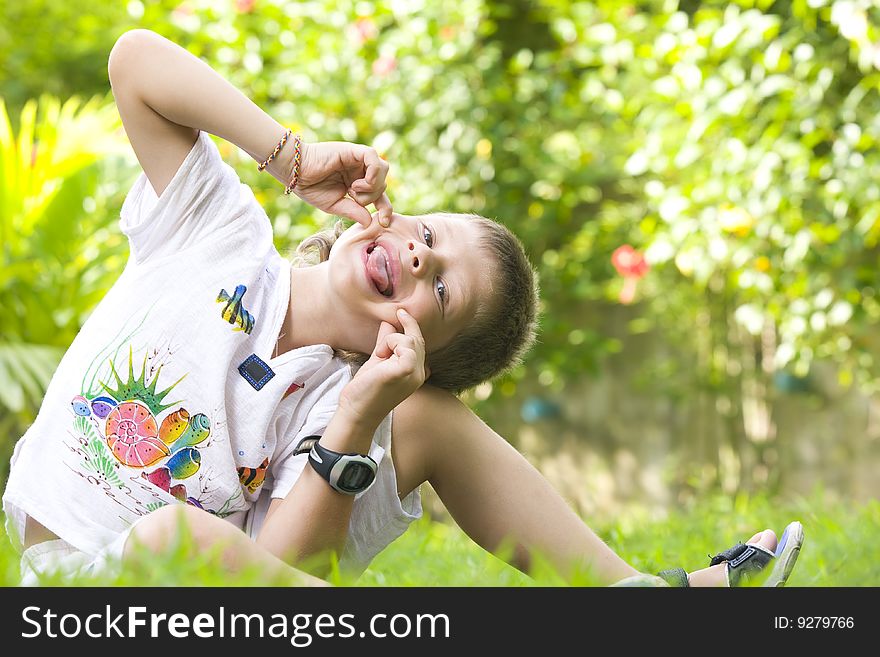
418, 258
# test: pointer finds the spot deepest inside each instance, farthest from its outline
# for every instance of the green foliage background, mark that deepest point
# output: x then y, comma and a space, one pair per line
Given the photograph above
734, 143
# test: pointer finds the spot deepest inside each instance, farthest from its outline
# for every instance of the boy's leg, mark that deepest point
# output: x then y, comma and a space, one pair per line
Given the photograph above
495, 495
158, 532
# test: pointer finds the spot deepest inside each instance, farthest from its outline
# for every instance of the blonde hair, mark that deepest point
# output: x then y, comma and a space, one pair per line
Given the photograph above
503, 327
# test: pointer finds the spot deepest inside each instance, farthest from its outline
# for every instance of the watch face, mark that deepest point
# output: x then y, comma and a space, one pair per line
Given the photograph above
356, 477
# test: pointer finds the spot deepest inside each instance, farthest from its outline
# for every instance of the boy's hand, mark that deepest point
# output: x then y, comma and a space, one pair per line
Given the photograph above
395, 370
342, 179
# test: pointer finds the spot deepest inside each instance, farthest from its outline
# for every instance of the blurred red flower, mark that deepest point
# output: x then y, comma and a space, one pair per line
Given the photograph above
632, 265
384, 65
629, 263
363, 30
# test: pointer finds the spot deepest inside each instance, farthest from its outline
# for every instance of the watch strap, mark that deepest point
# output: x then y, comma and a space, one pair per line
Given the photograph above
304, 446
323, 460
337, 468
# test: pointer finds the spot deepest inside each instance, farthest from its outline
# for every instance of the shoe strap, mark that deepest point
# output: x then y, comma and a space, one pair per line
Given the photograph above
743, 560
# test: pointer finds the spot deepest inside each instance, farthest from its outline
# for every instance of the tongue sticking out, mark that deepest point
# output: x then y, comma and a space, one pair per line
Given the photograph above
377, 268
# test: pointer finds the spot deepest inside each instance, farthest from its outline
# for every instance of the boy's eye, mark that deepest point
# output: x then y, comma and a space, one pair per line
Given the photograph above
441, 289
428, 235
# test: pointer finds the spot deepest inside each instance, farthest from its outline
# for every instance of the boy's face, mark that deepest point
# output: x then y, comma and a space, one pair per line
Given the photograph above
433, 266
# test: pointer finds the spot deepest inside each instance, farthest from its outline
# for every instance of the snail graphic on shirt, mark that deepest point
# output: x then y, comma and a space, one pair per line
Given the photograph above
132, 435
129, 416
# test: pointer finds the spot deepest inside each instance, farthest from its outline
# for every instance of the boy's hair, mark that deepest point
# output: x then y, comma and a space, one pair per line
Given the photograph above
503, 328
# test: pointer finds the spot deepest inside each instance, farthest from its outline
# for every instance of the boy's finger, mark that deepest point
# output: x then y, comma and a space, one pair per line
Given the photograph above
385, 329
409, 323
383, 349
376, 169
366, 197
362, 198
383, 210
395, 341
351, 209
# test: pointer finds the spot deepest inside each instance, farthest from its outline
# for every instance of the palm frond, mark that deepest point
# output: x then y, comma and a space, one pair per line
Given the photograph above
25, 372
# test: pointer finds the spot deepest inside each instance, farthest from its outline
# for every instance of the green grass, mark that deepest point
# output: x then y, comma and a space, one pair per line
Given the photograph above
839, 550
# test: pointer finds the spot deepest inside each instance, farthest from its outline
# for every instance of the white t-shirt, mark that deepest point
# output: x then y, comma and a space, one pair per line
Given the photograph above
169, 392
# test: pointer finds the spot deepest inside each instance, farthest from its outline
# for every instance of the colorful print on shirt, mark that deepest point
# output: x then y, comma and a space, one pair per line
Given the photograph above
253, 478
131, 440
234, 312
292, 388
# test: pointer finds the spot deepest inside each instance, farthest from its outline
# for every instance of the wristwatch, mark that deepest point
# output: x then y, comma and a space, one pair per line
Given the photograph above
348, 473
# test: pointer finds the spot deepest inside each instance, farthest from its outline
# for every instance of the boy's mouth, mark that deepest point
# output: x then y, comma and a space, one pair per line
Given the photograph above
379, 268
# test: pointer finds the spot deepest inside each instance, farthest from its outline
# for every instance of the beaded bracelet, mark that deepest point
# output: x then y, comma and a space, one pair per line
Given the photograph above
277, 150
297, 157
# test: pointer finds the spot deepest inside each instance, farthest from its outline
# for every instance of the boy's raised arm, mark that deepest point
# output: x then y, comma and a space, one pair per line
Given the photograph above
165, 94
159, 144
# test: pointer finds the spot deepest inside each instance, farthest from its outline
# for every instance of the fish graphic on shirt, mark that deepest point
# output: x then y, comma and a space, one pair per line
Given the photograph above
234, 312
252, 478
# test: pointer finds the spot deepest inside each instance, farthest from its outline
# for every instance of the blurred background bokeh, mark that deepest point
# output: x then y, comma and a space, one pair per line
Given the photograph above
696, 182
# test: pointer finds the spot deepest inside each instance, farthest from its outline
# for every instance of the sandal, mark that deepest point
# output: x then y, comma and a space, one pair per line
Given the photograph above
787, 551
746, 561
